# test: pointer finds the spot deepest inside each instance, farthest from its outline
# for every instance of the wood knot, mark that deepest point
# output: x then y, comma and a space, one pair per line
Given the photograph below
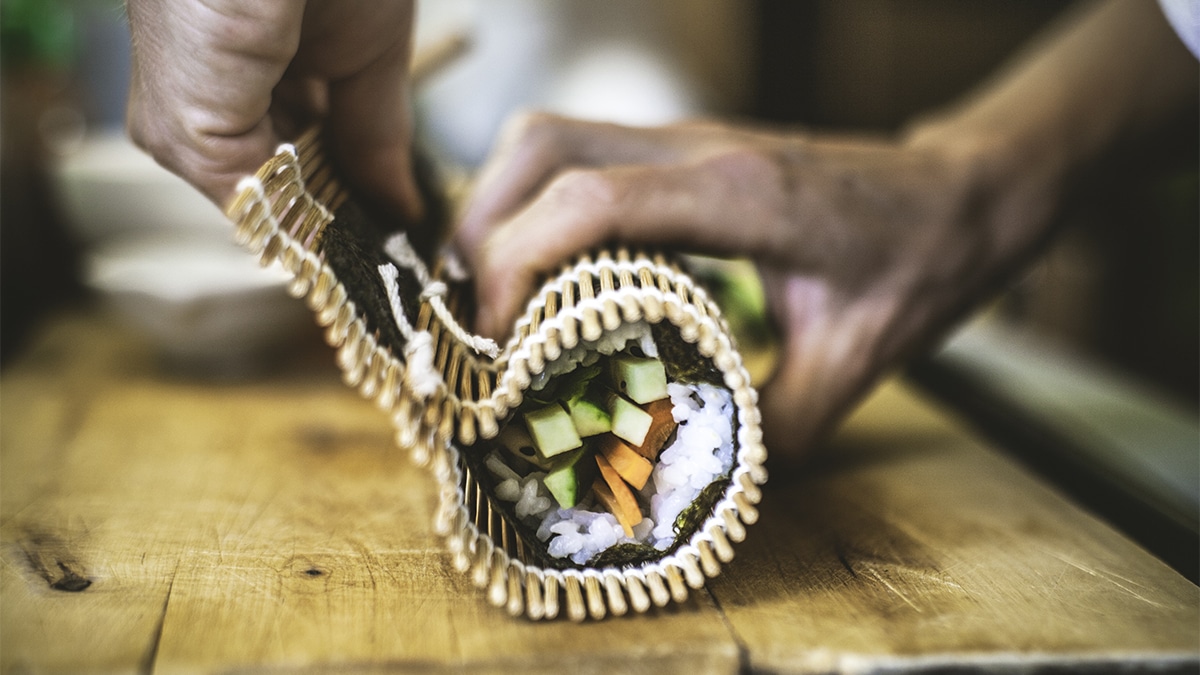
50, 558
71, 582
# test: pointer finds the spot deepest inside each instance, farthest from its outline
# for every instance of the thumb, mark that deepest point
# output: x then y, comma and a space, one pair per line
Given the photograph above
371, 121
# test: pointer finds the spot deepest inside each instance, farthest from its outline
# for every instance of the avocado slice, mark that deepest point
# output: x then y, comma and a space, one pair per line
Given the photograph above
642, 379
629, 422
552, 431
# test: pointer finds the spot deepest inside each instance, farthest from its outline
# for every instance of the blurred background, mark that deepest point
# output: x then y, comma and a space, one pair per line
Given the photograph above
1119, 285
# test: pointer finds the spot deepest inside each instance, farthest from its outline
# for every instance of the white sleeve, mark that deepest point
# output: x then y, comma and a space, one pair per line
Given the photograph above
1184, 16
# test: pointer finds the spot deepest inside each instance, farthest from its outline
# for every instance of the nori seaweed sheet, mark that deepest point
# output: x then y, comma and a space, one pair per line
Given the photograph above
352, 246
682, 360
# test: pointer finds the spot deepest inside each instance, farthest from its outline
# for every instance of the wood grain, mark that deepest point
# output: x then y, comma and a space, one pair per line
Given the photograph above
914, 543
155, 524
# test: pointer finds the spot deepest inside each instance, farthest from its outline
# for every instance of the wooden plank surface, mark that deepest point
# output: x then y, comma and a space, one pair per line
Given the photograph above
154, 524
914, 545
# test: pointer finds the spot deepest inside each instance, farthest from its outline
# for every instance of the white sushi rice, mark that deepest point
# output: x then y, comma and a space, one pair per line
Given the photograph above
702, 451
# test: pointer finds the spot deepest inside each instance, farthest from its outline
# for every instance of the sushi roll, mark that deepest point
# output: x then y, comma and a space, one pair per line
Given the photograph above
603, 461
625, 465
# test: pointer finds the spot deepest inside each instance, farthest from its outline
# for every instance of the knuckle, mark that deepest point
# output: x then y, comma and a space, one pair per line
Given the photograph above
147, 134
539, 134
180, 148
265, 30
751, 164
764, 171
701, 126
762, 182
135, 127
587, 189
527, 125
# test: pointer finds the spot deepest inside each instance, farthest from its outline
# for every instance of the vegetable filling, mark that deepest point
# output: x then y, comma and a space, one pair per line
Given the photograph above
608, 449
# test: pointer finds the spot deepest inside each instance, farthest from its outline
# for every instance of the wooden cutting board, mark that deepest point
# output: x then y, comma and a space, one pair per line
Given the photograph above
149, 523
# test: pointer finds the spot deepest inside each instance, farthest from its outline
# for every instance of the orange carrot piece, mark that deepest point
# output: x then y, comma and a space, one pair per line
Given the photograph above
623, 499
631, 466
609, 500
660, 429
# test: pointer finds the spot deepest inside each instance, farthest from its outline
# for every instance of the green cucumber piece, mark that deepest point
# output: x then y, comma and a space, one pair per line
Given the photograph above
642, 379
589, 417
552, 430
563, 481
629, 422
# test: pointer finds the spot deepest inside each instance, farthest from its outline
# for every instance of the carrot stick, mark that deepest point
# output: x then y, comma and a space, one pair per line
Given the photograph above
626, 509
631, 466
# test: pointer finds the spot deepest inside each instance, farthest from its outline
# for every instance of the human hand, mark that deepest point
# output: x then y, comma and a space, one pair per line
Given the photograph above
867, 246
218, 85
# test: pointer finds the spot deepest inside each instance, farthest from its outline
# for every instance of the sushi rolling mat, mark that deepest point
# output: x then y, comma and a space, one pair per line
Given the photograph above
153, 524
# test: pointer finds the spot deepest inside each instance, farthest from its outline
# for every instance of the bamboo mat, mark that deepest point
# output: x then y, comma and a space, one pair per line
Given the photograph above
149, 523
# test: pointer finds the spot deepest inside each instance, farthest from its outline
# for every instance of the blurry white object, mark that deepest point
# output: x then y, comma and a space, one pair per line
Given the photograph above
1121, 429
601, 61
624, 83
113, 190
209, 308
1184, 16
162, 256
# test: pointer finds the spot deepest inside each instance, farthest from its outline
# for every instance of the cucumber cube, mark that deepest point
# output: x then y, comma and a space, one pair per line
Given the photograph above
629, 422
552, 430
563, 481
589, 417
641, 379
